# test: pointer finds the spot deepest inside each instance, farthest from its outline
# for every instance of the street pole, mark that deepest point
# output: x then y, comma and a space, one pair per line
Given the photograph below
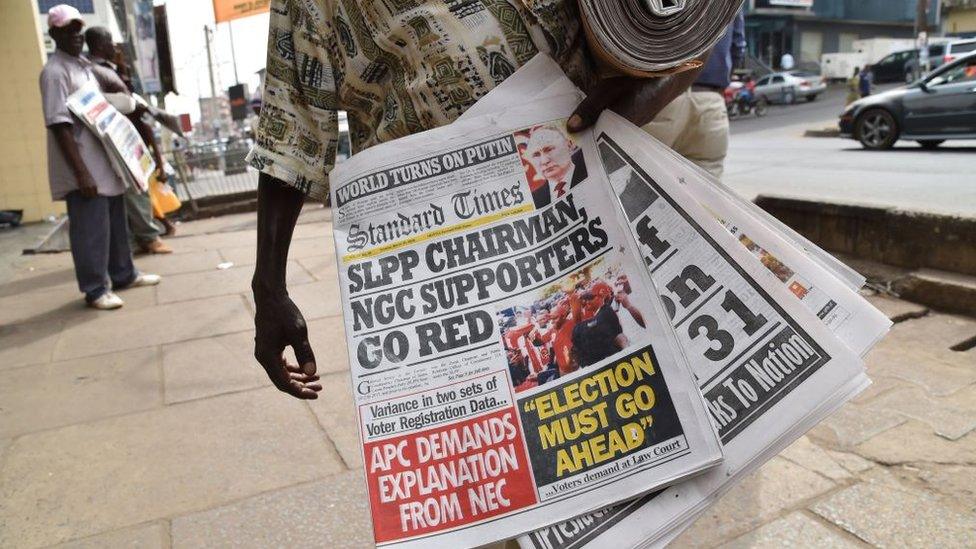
921, 35
233, 54
213, 85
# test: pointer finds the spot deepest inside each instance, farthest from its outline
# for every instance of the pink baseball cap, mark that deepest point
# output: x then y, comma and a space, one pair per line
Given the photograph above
62, 15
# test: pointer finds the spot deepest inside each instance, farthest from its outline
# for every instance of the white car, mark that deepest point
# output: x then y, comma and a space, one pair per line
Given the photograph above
787, 87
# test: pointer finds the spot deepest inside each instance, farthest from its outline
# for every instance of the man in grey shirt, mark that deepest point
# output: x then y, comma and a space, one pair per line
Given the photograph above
81, 174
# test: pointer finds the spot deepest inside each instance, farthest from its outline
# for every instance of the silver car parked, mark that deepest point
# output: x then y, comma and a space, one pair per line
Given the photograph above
788, 87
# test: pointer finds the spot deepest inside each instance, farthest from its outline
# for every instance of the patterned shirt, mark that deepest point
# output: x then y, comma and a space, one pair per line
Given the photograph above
397, 67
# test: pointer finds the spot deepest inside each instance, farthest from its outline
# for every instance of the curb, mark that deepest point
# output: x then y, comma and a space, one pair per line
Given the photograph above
937, 253
823, 132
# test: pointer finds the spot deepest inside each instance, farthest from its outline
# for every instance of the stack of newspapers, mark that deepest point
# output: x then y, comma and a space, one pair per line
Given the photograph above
576, 340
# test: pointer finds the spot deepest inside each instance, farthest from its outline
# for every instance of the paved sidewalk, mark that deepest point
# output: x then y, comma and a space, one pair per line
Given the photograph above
153, 427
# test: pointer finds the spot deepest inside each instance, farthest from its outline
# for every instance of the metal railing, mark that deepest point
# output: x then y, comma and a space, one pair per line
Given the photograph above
210, 171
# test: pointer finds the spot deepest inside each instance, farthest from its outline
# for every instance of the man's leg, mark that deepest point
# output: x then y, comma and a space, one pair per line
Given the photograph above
705, 140
88, 229
120, 267
139, 212
669, 124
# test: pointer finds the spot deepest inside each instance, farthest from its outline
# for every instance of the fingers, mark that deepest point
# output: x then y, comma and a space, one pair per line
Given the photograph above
602, 95
286, 378
303, 351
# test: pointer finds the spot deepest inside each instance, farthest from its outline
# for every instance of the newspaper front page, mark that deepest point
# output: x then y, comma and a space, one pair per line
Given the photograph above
126, 150
510, 361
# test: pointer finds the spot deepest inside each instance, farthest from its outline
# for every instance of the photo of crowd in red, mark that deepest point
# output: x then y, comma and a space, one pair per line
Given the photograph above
553, 162
569, 325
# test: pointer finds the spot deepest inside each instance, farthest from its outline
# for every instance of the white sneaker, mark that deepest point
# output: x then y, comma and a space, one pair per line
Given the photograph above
107, 302
145, 279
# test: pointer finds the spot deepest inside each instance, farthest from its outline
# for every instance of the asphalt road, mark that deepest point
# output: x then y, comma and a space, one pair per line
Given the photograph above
770, 156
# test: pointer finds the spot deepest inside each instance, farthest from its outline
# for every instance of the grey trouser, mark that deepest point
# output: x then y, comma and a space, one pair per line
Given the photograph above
139, 211
99, 243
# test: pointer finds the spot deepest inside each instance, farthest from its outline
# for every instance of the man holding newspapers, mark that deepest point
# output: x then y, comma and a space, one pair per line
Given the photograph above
502, 385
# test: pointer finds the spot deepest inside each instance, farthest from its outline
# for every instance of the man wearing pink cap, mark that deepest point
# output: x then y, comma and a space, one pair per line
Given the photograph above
81, 174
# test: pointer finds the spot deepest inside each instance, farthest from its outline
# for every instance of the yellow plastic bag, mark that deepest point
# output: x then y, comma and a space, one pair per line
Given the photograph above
163, 199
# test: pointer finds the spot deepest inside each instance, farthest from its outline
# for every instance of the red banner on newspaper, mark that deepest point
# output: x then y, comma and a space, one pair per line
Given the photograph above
443, 478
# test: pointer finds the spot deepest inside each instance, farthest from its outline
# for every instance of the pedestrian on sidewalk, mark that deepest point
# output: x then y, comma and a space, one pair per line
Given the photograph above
696, 123
309, 80
81, 174
854, 86
145, 230
865, 80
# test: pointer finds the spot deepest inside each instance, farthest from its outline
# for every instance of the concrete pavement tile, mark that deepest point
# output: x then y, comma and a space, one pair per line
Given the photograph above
938, 371
235, 280
44, 306
879, 385
146, 536
336, 412
853, 424
124, 329
777, 486
328, 513
887, 517
37, 280
299, 249
240, 255
956, 481
212, 240
937, 330
311, 247
914, 442
208, 367
26, 344
77, 391
793, 530
328, 339
179, 262
136, 298
852, 462
65, 303
96, 477
322, 267
897, 309
950, 417
319, 229
808, 455
318, 299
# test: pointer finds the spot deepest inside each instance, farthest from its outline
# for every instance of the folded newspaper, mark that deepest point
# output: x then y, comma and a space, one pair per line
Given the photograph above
653, 37
542, 325
683, 207
126, 150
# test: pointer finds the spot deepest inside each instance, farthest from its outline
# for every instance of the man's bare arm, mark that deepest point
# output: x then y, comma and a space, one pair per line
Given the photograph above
636, 99
69, 148
278, 322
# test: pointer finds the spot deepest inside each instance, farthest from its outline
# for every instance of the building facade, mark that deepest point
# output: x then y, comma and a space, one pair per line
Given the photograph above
806, 29
959, 18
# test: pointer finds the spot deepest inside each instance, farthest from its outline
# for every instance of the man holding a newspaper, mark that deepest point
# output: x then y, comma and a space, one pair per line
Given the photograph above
399, 71
82, 174
547, 312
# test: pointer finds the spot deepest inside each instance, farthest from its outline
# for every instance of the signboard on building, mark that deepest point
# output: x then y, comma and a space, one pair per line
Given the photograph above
228, 10
142, 27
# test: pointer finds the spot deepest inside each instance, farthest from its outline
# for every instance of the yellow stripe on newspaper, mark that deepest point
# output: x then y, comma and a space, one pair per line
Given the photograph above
436, 233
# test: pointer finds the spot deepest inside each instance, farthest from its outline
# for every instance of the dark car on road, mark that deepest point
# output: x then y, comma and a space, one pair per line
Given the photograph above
939, 106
